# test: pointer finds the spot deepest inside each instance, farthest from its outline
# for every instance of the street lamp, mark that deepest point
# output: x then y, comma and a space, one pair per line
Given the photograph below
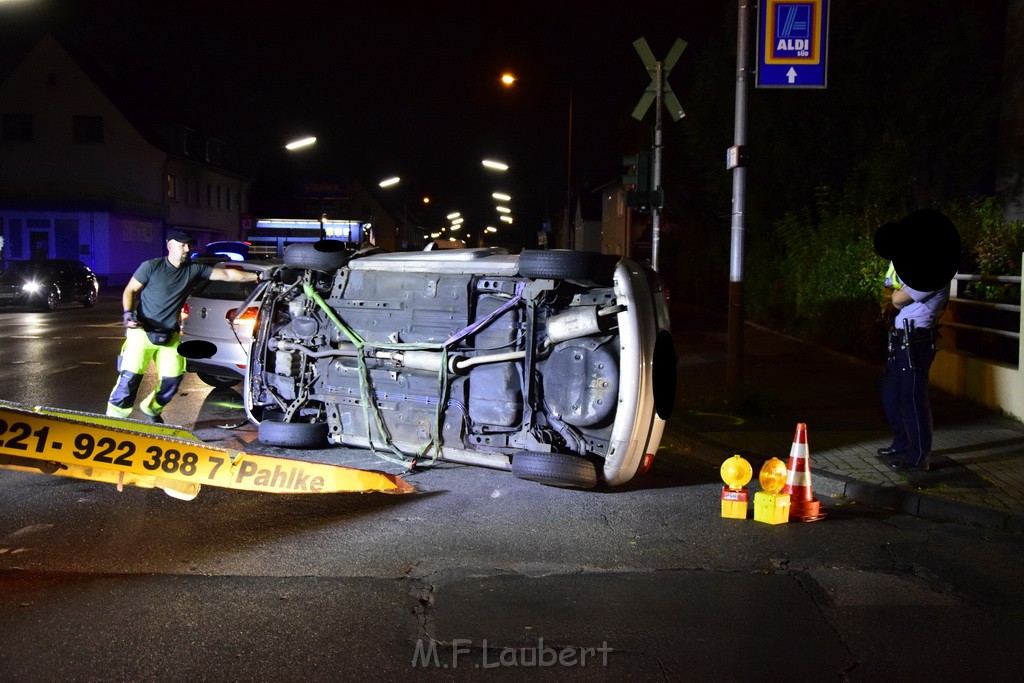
495, 165
300, 143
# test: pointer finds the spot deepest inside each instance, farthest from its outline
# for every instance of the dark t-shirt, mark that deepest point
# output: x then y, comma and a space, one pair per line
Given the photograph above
165, 289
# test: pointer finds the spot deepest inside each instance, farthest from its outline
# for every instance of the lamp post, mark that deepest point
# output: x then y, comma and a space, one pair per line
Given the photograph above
509, 79
385, 184
305, 143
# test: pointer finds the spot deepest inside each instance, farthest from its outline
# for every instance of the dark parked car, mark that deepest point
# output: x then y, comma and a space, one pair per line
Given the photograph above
47, 283
556, 365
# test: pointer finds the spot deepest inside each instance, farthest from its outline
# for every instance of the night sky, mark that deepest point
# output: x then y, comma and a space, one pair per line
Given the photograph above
399, 88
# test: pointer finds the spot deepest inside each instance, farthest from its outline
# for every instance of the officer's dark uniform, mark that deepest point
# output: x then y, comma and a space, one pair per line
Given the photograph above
925, 251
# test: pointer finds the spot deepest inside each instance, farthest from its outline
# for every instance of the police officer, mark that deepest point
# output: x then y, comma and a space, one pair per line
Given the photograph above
924, 252
152, 303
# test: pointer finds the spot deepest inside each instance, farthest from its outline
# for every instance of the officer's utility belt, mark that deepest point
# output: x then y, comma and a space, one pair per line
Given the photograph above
917, 335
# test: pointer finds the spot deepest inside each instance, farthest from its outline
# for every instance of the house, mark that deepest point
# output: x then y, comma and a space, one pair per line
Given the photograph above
90, 175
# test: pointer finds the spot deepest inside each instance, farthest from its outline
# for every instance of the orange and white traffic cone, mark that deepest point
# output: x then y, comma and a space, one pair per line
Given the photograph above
803, 505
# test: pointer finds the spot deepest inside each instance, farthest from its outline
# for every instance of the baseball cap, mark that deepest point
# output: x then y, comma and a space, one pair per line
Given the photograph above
180, 236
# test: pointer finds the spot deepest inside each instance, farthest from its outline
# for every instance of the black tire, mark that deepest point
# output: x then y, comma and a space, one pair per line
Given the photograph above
566, 264
325, 256
293, 434
664, 374
90, 299
218, 382
555, 469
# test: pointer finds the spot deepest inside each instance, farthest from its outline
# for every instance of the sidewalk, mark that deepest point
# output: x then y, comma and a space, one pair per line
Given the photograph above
977, 463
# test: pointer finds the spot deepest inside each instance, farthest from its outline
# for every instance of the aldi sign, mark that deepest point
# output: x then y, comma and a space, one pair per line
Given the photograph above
792, 43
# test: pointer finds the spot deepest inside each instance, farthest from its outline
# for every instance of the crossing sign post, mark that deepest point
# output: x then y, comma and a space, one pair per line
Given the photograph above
792, 46
661, 94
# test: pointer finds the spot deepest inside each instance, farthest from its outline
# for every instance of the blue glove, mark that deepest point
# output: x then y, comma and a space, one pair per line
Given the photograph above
129, 319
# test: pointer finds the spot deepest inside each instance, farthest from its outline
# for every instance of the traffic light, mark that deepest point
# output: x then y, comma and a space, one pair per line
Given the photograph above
629, 179
638, 172
640, 191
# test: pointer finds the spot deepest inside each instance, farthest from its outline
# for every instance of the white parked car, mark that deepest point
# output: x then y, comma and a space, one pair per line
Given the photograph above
557, 365
217, 324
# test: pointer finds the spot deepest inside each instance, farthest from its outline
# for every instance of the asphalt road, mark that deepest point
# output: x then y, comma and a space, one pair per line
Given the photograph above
477, 574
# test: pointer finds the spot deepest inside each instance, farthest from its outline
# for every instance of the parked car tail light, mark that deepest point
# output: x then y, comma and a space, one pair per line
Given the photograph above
246, 322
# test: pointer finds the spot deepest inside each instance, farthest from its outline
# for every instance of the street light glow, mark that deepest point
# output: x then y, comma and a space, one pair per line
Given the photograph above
507, 79
388, 182
453, 216
302, 142
496, 165
503, 209
490, 229
501, 196
507, 219
457, 221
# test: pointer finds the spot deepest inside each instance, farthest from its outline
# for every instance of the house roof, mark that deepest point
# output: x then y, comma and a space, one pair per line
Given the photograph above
153, 114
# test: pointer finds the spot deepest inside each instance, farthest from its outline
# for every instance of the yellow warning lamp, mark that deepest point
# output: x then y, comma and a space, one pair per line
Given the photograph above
770, 506
773, 475
735, 473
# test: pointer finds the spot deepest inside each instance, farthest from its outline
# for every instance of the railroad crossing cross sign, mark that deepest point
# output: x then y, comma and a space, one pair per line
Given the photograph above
792, 46
651, 64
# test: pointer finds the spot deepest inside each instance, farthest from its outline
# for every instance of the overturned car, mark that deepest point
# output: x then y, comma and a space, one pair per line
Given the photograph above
557, 365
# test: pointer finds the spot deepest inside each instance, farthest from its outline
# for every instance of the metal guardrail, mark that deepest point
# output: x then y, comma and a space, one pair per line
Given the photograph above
959, 301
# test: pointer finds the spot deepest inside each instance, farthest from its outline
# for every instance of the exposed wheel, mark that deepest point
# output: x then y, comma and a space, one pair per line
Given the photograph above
90, 299
325, 255
218, 382
293, 434
555, 469
51, 301
567, 264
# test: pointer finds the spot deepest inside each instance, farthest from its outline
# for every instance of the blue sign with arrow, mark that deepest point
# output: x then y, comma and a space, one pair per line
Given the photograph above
792, 46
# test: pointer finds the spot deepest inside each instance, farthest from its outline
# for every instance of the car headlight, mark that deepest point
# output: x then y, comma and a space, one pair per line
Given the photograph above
31, 287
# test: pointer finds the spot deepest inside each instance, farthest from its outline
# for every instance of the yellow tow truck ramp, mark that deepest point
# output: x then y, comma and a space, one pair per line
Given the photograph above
131, 453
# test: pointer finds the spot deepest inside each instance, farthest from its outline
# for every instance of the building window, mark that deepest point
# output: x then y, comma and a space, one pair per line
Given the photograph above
227, 198
219, 203
198, 198
17, 127
209, 196
88, 129
184, 188
172, 187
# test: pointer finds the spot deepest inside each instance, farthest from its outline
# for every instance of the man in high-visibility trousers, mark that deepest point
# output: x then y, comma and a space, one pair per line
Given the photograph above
152, 303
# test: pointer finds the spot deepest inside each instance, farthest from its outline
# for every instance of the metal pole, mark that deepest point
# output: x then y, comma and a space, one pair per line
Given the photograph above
734, 354
656, 171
